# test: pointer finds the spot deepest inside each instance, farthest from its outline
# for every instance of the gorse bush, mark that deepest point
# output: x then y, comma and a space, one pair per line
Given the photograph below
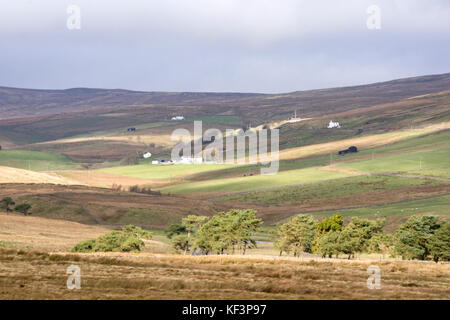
129, 239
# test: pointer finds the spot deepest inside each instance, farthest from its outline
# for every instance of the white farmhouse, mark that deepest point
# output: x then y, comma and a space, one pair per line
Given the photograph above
333, 125
177, 118
189, 160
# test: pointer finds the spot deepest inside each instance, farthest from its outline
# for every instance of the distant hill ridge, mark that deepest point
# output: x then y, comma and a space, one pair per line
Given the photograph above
17, 102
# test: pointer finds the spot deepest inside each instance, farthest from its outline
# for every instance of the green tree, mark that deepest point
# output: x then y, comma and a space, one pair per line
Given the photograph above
175, 229
180, 242
192, 223
23, 208
439, 243
381, 243
355, 236
327, 244
348, 241
297, 235
137, 232
227, 231
283, 240
212, 236
246, 224
5, 204
412, 237
334, 224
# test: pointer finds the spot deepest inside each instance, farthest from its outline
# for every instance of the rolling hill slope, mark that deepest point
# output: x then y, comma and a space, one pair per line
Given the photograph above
29, 116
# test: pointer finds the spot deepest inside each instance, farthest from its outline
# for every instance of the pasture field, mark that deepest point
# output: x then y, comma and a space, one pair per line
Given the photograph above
121, 130
431, 206
438, 139
283, 178
214, 176
369, 141
35, 161
443, 173
425, 159
329, 189
223, 119
150, 172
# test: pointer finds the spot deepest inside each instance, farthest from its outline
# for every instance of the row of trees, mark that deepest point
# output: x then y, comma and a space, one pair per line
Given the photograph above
418, 238
7, 203
225, 232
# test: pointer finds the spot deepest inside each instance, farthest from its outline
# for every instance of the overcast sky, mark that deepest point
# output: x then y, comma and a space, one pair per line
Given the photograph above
220, 45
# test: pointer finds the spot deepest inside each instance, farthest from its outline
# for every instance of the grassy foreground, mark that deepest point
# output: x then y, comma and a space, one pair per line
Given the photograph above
34, 262
36, 275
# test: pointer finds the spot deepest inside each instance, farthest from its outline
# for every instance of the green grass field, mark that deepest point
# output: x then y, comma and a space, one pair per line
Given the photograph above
226, 119
408, 161
149, 171
431, 206
35, 160
328, 189
437, 140
435, 173
283, 178
121, 130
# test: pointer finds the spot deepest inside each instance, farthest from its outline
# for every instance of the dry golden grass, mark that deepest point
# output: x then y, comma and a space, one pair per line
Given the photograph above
34, 275
158, 139
34, 270
14, 175
102, 179
44, 234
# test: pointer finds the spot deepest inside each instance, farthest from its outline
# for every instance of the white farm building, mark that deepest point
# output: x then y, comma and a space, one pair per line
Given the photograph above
333, 125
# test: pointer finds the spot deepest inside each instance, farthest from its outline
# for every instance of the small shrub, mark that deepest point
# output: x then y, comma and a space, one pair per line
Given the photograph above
143, 190
84, 246
126, 240
23, 208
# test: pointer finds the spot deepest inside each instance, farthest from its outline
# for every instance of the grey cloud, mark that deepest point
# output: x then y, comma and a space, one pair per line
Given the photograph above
221, 45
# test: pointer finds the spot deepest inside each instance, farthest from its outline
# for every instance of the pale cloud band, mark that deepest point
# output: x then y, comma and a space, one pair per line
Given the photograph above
221, 45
